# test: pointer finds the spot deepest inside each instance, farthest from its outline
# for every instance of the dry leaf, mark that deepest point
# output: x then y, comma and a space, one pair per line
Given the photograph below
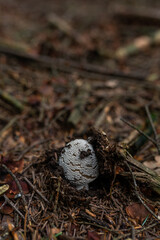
138, 212
4, 188
92, 236
14, 190
6, 208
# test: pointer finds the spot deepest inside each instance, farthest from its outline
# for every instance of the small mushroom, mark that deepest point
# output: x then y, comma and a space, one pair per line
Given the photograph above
79, 163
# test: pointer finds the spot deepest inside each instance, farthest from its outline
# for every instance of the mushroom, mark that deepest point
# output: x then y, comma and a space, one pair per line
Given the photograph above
79, 163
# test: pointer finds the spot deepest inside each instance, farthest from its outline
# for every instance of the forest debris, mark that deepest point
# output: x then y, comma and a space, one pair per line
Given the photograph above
14, 45
92, 236
153, 128
138, 45
90, 213
146, 15
65, 27
7, 128
69, 66
35, 144
11, 101
13, 166
4, 188
18, 184
14, 190
145, 175
79, 104
57, 195
138, 212
36, 190
101, 118
5, 208
153, 164
13, 206
146, 135
105, 151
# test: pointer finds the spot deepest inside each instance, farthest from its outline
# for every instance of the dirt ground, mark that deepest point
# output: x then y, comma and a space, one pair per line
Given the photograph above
79, 69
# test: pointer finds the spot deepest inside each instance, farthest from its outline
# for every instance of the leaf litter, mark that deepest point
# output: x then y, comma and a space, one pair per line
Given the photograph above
45, 106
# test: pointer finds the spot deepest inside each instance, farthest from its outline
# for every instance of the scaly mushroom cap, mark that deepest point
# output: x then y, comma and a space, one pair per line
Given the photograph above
79, 163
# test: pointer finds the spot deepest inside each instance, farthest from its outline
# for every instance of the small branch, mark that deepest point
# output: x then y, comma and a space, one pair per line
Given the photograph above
9, 125
137, 194
153, 127
17, 182
138, 45
66, 28
57, 195
5, 201
144, 174
11, 100
140, 131
68, 66
79, 104
13, 206
34, 188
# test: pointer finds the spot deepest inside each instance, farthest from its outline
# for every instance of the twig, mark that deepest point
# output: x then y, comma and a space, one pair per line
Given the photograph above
31, 147
30, 165
139, 44
146, 228
68, 66
17, 182
57, 195
79, 104
93, 220
66, 28
10, 124
137, 194
133, 233
137, 231
140, 131
98, 224
5, 201
13, 205
11, 101
153, 127
21, 192
34, 188
25, 224
146, 175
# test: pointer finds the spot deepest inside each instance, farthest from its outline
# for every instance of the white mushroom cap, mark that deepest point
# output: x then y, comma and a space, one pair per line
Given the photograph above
79, 163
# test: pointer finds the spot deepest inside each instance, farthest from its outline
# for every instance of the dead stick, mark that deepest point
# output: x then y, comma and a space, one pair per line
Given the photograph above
146, 174
69, 66
34, 188
18, 184
60, 23
57, 195
137, 45
13, 205
140, 131
137, 194
11, 101
3, 204
25, 224
10, 124
153, 127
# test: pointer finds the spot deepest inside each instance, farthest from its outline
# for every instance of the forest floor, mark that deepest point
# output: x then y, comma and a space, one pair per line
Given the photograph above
78, 69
